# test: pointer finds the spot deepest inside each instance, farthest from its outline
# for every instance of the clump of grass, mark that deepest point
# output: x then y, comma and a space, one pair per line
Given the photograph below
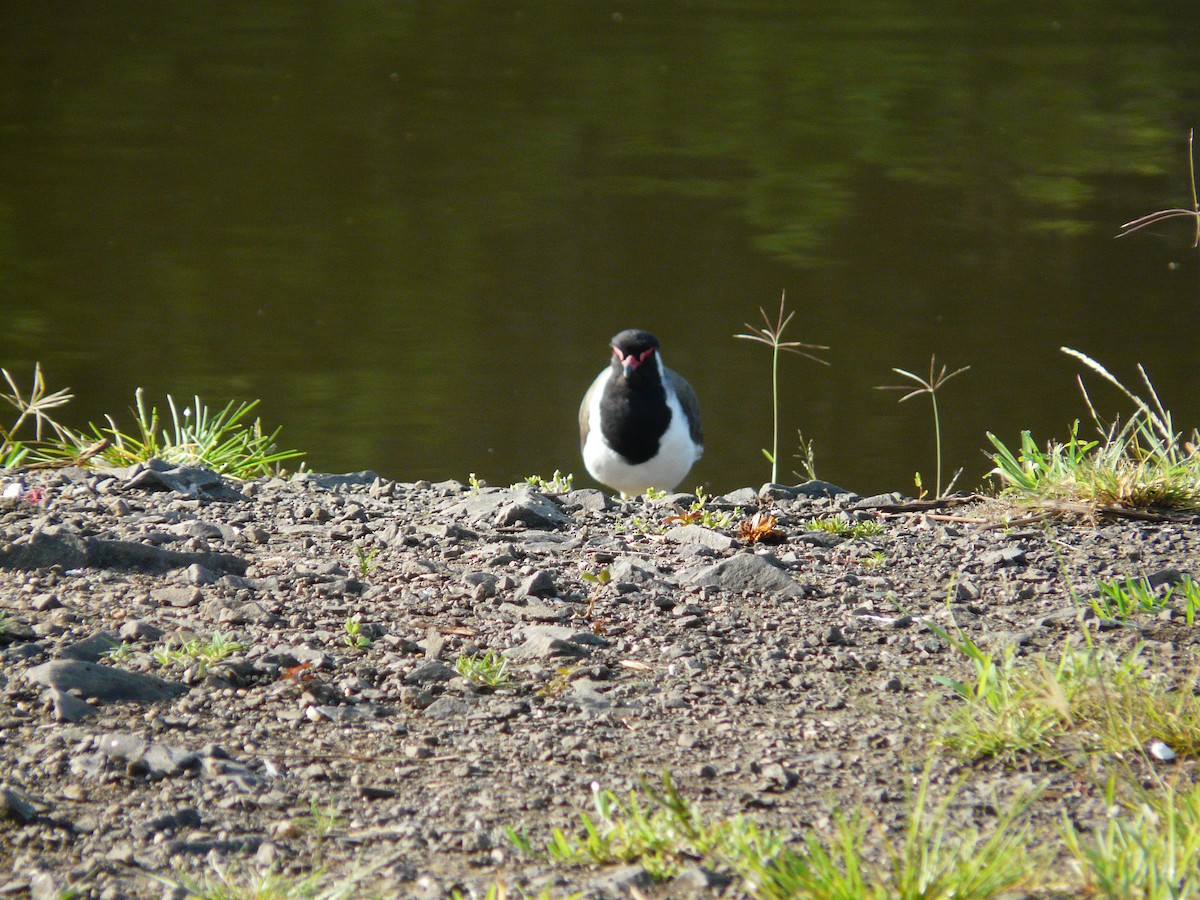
772, 336
1152, 854
488, 668
225, 441
198, 655
1143, 463
930, 386
659, 830
247, 882
1122, 598
1088, 699
842, 526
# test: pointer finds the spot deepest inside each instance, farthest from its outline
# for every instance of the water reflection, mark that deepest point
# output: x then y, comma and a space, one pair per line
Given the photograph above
411, 228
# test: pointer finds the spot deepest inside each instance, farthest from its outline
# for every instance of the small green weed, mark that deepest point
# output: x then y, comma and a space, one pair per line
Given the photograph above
1120, 599
930, 386
558, 483
198, 655
557, 683
119, 652
772, 336
699, 514
354, 638
844, 527
475, 483
366, 559
597, 580
489, 668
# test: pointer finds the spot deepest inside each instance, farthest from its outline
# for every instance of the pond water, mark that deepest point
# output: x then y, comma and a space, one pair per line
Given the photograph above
411, 228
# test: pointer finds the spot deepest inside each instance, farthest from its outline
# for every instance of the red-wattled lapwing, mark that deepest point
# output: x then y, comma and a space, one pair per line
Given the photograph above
639, 424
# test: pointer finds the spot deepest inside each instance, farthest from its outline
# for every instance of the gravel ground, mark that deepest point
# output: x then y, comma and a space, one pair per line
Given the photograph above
785, 682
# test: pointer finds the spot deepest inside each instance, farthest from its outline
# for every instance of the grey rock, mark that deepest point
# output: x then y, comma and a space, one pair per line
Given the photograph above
548, 641
633, 570
539, 584
447, 708
484, 583
364, 478
538, 612
105, 683
430, 673
815, 489
178, 597
15, 805
58, 547
533, 511
748, 572
875, 501
162, 761
69, 708
1005, 556
740, 497
622, 881
92, 649
192, 481
696, 534
122, 746
588, 499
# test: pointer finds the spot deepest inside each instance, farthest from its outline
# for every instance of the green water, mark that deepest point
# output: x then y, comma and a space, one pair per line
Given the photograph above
410, 228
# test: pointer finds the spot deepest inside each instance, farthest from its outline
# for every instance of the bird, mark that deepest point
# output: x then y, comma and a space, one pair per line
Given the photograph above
639, 423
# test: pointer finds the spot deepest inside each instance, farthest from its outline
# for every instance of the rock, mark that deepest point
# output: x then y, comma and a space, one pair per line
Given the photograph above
539, 584
94, 648
547, 641
15, 805
749, 572
696, 534
69, 708
104, 683
815, 489
1005, 556
191, 481
447, 708
430, 673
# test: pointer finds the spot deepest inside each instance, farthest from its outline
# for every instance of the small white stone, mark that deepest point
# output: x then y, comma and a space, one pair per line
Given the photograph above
1161, 751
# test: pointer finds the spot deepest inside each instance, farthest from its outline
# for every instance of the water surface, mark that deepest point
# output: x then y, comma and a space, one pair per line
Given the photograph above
410, 228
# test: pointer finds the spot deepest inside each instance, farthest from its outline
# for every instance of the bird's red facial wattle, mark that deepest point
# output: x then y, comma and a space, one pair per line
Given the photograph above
630, 361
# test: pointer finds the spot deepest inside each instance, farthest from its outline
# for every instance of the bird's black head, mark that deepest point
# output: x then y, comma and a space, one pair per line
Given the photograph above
631, 349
